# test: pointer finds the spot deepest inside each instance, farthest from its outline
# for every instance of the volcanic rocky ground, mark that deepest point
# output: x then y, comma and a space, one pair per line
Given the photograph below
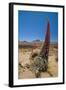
24, 58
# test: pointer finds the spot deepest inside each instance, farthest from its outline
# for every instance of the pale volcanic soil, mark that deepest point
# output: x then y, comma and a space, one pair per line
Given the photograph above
24, 60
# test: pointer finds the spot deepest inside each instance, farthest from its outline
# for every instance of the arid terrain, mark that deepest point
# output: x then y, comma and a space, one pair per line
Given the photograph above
24, 59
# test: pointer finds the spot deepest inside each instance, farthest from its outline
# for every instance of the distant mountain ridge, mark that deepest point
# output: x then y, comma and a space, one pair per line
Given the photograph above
34, 41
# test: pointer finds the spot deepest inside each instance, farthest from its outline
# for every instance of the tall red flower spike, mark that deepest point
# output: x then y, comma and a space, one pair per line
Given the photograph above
45, 49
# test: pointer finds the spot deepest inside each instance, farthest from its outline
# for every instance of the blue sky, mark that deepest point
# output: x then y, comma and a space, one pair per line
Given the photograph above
32, 25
